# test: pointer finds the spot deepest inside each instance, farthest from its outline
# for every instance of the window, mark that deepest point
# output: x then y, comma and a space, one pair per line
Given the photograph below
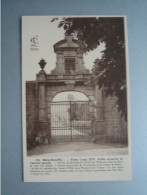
69, 65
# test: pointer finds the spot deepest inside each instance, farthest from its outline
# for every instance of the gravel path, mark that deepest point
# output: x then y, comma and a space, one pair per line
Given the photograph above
78, 149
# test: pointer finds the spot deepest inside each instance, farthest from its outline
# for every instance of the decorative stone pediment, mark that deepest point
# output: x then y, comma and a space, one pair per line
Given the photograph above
69, 57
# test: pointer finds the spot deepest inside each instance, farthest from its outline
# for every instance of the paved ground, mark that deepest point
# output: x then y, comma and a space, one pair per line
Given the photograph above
78, 149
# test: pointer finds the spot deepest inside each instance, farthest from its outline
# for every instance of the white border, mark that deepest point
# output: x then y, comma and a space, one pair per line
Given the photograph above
25, 157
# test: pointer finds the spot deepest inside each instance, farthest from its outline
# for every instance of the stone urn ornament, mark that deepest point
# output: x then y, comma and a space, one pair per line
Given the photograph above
42, 63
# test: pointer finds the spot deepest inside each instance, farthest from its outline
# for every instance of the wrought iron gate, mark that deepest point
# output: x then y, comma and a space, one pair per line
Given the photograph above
70, 121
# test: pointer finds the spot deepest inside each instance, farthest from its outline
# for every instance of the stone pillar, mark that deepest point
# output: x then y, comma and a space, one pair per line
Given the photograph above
44, 129
99, 103
79, 65
60, 65
99, 129
41, 88
42, 105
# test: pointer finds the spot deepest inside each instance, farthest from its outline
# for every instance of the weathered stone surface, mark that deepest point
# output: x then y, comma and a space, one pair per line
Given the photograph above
31, 111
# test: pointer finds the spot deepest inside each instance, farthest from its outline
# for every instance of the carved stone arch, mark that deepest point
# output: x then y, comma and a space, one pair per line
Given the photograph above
72, 91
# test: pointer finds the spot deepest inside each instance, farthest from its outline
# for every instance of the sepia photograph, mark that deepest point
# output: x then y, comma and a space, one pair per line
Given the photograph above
75, 77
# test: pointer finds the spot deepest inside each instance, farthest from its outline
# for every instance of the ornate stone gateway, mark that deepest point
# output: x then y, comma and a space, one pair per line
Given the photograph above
70, 121
96, 119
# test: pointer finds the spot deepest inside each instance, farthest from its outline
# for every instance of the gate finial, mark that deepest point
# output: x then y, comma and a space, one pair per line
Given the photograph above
42, 63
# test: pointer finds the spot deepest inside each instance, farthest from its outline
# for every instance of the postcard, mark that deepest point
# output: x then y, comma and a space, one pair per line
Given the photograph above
75, 99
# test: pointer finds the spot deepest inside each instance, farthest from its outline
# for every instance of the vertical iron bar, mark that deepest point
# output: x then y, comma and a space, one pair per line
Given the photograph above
70, 122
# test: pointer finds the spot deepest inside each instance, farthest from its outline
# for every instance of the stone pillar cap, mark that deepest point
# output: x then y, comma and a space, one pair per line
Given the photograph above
69, 38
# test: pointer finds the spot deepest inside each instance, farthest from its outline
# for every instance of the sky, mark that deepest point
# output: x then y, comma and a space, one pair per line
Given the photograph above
41, 32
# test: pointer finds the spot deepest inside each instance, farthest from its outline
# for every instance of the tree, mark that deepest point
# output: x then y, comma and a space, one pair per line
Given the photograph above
110, 71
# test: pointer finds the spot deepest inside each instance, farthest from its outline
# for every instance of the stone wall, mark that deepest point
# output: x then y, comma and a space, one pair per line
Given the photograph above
115, 126
31, 112
108, 123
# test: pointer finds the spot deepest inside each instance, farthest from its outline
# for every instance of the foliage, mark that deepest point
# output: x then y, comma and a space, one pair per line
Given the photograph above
110, 71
